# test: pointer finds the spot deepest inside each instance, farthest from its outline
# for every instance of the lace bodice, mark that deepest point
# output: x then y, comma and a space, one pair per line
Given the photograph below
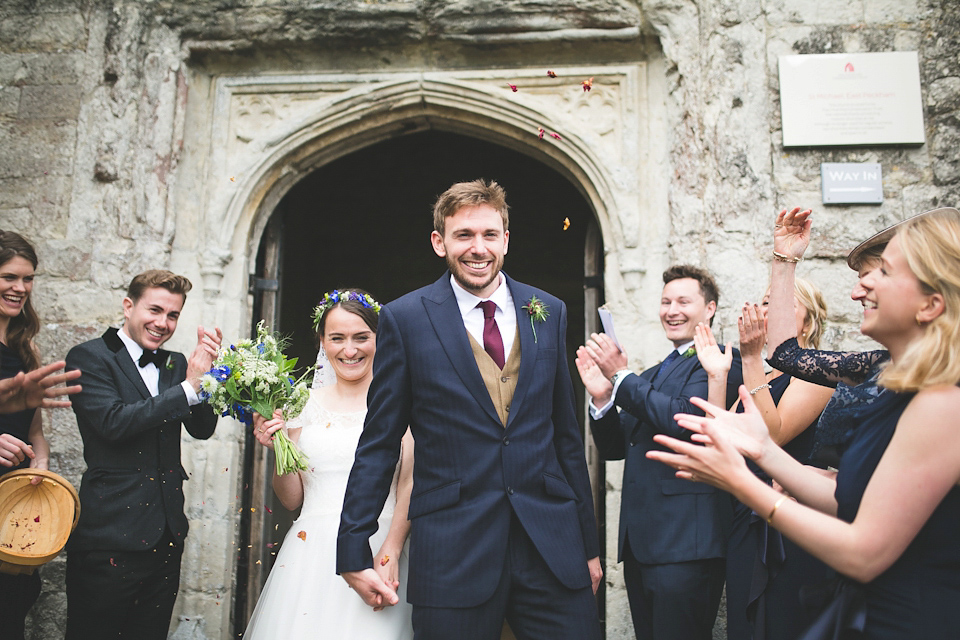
330, 439
825, 368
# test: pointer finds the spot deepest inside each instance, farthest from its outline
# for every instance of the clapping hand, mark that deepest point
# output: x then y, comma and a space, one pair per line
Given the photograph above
38, 388
791, 234
715, 362
727, 437
753, 331
200, 361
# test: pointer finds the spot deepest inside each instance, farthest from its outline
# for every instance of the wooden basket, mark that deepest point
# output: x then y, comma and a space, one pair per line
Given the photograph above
35, 520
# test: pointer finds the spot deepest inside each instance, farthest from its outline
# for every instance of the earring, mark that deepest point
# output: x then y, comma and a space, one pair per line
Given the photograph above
917, 318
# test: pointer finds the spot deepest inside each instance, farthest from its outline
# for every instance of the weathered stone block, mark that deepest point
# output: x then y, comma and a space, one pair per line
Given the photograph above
50, 101
36, 148
9, 101
47, 32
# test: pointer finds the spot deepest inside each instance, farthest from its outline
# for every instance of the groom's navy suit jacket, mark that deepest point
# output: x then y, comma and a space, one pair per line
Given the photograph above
665, 519
470, 472
132, 489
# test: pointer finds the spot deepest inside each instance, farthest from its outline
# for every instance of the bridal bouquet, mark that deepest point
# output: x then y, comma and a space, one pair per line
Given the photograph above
255, 375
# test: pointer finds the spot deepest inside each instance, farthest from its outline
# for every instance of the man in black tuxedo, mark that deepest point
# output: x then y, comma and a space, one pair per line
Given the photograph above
123, 559
673, 532
501, 514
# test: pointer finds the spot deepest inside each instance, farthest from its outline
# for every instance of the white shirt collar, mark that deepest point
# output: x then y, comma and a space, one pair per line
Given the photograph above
467, 301
682, 348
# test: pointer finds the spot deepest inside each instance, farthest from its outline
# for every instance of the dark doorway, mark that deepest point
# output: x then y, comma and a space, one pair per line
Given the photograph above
365, 219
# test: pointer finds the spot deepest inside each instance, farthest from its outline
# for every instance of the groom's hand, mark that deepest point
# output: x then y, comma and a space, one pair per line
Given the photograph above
596, 572
369, 586
200, 361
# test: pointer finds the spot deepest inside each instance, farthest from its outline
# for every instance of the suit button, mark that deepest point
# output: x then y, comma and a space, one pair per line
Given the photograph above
506, 442
504, 378
508, 408
510, 490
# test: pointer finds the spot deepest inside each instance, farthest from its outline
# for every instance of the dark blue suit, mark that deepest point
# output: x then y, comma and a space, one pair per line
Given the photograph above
665, 520
475, 481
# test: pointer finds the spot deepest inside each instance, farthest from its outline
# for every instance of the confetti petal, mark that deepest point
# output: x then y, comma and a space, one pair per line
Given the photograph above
513, 87
302, 535
555, 135
566, 223
587, 84
551, 74
540, 132
384, 560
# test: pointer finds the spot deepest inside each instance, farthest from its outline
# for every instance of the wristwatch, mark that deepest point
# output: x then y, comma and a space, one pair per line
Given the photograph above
618, 375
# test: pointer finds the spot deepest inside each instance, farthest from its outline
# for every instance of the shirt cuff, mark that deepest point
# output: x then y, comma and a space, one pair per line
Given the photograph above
192, 397
596, 413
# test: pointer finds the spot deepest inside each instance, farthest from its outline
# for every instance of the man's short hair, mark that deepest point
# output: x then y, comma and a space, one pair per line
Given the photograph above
470, 194
708, 286
160, 278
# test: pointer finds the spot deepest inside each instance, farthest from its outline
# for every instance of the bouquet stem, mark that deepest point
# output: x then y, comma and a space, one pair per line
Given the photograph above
288, 457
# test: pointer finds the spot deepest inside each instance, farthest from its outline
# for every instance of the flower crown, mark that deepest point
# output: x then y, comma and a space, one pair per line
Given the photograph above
335, 297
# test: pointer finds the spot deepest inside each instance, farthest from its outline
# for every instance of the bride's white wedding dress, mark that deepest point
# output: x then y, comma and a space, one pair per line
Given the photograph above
304, 597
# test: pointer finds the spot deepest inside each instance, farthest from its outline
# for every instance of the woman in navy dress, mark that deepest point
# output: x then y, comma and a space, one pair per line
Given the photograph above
21, 433
765, 571
889, 521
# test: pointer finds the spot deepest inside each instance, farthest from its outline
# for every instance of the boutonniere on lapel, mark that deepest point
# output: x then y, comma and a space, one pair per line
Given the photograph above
169, 363
689, 353
537, 311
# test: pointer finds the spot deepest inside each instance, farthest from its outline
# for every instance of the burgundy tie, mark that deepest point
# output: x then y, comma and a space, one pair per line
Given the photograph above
492, 342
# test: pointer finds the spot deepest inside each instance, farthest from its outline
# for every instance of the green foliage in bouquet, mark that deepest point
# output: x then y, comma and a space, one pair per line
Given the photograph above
255, 375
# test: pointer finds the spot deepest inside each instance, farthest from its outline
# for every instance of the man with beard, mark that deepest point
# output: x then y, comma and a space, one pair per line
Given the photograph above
502, 522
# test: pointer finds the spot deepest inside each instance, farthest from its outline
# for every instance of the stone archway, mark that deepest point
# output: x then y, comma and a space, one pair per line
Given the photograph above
264, 134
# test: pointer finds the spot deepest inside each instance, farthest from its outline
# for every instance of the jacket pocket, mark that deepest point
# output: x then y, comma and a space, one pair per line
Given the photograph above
434, 499
679, 486
558, 487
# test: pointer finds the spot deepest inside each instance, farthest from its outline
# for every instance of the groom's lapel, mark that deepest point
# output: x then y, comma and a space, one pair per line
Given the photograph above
441, 308
522, 294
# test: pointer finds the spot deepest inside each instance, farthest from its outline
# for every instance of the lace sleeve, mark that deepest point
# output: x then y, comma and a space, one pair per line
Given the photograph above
825, 367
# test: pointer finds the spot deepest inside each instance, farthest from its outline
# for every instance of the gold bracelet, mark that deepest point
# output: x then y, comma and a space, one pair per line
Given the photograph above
776, 505
765, 385
779, 257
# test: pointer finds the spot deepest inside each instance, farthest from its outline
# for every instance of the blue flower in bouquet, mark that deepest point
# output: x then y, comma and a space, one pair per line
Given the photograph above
255, 376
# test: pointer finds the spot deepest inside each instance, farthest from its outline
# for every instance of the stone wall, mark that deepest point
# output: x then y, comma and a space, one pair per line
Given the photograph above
96, 127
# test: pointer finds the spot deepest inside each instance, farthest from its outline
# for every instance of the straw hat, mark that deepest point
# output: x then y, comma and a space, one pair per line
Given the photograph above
883, 237
35, 520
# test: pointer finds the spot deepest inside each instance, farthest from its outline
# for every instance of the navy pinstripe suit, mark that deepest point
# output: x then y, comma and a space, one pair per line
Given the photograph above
471, 474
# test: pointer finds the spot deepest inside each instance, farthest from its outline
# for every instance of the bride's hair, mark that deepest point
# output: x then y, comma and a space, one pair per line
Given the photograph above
356, 301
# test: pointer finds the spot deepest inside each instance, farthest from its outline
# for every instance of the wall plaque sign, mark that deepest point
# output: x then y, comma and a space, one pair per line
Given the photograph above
851, 183
851, 99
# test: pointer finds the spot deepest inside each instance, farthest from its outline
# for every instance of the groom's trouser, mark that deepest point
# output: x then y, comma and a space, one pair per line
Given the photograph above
529, 596
126, 595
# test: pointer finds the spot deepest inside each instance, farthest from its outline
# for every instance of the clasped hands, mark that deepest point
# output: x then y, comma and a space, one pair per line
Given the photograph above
596, 362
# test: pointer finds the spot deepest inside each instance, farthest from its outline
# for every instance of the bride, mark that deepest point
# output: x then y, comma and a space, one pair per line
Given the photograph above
303, 596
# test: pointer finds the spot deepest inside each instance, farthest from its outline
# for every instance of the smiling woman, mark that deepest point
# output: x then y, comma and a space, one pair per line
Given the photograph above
22, 442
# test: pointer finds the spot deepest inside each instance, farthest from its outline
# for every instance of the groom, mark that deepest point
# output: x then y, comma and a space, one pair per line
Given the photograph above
502, 522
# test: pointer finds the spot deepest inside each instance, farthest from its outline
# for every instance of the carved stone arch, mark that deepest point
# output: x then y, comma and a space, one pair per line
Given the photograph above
361, 118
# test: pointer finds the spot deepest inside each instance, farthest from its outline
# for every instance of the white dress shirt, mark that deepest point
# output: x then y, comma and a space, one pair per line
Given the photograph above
150, 373
505, 314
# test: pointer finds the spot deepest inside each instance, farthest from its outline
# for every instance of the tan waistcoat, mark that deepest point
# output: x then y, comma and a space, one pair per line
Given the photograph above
500, 384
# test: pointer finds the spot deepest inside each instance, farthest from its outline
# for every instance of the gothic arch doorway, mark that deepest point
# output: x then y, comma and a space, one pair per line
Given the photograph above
364, 219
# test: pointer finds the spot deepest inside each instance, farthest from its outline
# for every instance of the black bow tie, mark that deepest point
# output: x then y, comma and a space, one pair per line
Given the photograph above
157, 358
